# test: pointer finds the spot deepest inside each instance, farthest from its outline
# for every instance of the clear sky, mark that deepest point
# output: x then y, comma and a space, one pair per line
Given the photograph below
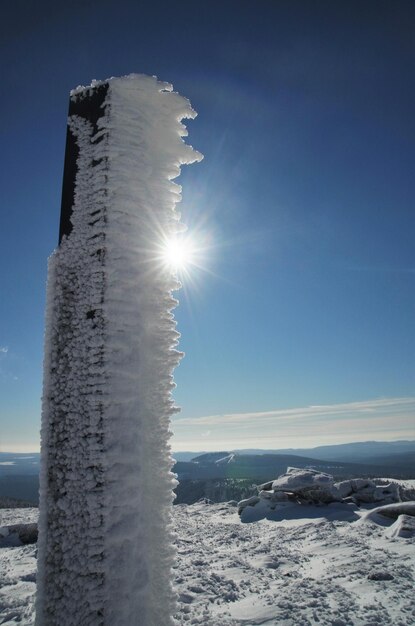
301, 329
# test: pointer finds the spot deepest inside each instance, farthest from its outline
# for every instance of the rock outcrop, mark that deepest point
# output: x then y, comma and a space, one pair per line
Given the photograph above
308, 486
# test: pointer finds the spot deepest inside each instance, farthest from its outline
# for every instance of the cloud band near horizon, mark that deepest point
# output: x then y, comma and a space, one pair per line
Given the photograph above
380, 419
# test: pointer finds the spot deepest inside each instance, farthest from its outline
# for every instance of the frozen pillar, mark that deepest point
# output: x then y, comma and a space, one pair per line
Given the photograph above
105, 545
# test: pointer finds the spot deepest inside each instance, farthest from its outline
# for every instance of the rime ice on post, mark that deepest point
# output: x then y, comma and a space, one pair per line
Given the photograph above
105, 550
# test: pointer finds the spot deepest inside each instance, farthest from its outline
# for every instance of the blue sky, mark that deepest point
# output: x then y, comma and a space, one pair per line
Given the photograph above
305, 196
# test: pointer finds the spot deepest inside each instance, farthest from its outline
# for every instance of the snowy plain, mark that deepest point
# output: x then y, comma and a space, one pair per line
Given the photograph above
322, 565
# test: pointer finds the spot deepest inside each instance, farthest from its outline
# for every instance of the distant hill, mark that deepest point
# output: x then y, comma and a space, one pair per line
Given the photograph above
19, 476
401, 459
20, 488
212, 457
19, 473
362, 451
13, 503
185, 456
13, 463
263, 467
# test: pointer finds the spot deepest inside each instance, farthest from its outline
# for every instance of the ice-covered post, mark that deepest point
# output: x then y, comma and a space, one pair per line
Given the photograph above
105, 545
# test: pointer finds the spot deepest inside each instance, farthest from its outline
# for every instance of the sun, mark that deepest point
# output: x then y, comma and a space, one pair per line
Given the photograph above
186, 255
179, 253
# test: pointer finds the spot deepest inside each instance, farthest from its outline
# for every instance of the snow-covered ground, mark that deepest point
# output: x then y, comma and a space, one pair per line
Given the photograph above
323, 565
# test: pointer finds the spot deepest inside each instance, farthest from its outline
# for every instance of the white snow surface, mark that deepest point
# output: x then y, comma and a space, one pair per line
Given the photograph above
105, 541
323, 566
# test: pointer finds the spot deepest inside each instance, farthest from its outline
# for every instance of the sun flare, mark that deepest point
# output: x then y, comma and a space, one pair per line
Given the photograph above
179, 253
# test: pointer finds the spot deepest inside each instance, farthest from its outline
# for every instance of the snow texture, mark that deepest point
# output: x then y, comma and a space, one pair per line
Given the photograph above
314, 567
105, 541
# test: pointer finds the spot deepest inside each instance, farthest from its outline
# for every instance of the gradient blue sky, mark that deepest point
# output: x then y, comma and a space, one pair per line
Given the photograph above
306, 195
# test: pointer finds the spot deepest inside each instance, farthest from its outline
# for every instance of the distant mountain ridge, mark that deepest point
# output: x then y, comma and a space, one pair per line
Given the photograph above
366, 458
262, 467
213, 457
371, 452
18, 463
357, 451
396, 459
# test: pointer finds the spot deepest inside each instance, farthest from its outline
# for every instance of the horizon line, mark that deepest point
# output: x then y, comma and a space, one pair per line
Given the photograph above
329, 445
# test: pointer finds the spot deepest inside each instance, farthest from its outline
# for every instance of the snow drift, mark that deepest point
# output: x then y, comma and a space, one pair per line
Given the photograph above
105, 546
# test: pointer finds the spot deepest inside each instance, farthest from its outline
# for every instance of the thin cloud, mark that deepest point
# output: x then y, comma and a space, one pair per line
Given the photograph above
381, 419
375, 407
4, 349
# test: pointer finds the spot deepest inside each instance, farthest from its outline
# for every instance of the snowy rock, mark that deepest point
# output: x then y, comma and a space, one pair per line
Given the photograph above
310, 486
394, 510
306, 484
247, 502
274, 496
265, 486
386, 493
404, 527
18, 534
358, 484
380, 575
295, 485
342, 489
297, 480
364, 490
398, 517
